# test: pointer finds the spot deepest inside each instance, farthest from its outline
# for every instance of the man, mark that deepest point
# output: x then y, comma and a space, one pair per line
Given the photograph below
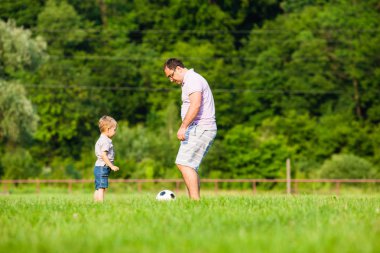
198, 128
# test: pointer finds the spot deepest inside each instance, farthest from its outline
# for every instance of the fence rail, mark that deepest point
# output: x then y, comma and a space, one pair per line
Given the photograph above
291, 184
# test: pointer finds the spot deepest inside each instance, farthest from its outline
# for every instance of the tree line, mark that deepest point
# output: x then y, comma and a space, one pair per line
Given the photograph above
291, 79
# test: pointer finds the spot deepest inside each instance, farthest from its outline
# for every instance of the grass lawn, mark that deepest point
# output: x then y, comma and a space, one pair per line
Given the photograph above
218, 223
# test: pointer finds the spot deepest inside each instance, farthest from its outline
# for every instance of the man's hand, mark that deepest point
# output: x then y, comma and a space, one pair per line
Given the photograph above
181, 133
192, 112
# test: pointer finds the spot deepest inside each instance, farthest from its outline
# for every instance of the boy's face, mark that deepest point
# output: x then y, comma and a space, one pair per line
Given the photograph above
111, 131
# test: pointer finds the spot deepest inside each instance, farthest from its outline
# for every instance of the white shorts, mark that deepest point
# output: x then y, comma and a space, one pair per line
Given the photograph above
195, 146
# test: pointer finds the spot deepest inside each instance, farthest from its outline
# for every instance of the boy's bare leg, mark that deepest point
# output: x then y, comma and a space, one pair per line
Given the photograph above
191, 178
99, 194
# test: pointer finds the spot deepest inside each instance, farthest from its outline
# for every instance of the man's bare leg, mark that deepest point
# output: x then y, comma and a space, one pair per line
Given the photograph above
191, 178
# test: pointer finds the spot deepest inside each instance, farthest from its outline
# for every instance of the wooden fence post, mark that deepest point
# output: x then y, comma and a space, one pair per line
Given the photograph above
288, 177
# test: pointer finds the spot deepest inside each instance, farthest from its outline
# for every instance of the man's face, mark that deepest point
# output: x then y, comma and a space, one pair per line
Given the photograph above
173, 75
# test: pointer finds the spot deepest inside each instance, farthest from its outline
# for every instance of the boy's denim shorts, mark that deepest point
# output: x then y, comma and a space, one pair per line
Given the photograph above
101, 174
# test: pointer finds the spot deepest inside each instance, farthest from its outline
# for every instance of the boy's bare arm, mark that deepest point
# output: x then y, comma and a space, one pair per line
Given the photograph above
108, 162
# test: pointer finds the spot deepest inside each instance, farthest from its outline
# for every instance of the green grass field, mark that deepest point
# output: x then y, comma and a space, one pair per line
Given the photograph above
230, 223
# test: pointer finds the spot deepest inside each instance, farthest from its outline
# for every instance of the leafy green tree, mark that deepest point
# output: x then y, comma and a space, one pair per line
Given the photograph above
299, 132
183, 21
143, 153
19, 51
375, 140
250, 154
19, 54
23, 12
18, 120
90, 10
339, 133
61, 26
315, 140
301, 62
18, 163
65, 104
347, 166
297, 5
289, 78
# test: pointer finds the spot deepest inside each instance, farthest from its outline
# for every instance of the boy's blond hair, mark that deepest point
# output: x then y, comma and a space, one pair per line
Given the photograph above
106, 122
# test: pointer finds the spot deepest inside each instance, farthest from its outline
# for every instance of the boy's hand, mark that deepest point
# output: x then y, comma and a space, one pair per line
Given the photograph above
114, 168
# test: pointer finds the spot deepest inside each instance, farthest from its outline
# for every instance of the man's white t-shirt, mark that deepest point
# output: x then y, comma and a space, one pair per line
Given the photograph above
193, 82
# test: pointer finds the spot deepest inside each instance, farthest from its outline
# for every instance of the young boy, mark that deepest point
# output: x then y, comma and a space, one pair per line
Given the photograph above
105, 156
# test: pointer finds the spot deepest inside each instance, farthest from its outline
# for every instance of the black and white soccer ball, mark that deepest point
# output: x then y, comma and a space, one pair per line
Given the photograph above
165, 195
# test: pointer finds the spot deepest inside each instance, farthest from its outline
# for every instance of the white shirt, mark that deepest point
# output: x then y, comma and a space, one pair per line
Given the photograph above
193, 82
104, 144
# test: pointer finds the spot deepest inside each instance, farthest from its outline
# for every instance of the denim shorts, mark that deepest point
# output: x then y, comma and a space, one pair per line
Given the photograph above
101, 174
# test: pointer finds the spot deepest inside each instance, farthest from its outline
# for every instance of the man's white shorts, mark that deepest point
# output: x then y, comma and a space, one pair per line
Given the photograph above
195, 146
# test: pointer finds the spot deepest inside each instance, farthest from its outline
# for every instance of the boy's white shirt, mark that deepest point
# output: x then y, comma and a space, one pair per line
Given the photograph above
104, 144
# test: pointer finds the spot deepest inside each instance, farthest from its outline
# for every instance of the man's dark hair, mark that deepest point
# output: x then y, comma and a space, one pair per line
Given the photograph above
172, 63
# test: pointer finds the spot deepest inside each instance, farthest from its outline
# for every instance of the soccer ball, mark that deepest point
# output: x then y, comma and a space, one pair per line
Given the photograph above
165, 195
